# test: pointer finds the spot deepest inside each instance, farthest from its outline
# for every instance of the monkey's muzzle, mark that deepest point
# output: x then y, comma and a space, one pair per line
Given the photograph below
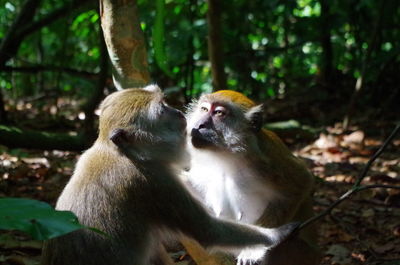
202, 138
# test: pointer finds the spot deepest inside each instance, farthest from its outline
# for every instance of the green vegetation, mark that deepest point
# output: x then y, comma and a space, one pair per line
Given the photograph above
272, 49
38, 219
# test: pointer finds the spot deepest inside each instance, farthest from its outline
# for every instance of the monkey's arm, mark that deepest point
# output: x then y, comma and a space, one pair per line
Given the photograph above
292, 183
184, 213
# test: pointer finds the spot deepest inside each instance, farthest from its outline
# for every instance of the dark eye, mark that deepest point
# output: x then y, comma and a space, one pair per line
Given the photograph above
219, 113
204, 109
163, 109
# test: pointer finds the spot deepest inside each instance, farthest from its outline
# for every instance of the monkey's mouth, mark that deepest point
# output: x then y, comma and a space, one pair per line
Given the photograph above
200, 140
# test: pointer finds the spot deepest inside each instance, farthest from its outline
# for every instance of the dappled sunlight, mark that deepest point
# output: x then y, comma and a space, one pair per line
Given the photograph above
366, 225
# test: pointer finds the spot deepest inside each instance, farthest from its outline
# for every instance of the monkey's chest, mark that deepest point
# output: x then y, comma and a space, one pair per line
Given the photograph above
231, 195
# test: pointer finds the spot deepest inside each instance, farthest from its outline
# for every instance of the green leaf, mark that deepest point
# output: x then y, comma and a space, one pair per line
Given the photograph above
158, 38
271, 92
36, 218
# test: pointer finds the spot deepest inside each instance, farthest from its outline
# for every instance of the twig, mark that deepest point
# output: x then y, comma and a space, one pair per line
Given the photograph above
356, 187
375, 156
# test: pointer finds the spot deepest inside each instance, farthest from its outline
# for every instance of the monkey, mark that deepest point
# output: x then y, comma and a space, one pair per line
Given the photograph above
125, 186
243, 172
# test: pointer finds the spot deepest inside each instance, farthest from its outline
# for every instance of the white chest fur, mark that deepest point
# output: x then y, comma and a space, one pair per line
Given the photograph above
228, 188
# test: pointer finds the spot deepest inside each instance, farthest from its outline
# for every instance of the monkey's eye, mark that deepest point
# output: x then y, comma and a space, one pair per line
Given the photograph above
162, 109
204, 109
220, 111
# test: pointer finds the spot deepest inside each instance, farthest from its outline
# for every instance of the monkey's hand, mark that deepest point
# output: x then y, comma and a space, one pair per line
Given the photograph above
256, 255
281, 233
252, 256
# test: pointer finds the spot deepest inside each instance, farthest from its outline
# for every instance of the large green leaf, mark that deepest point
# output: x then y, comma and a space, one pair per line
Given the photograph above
36, 218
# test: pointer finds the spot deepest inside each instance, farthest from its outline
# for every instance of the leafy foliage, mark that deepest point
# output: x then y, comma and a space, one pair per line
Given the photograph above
273, 49
36, 218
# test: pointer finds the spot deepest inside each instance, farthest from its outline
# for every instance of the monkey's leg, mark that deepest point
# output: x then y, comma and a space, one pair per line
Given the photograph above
294, 252
301, 250
202, 257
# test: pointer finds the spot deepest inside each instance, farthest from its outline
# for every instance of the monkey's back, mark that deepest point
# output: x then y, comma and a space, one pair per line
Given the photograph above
291, 170
100, 193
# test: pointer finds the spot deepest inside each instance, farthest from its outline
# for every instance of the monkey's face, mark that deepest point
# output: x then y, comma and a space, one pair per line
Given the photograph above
224, 121
217, 125
142, 125
166, 123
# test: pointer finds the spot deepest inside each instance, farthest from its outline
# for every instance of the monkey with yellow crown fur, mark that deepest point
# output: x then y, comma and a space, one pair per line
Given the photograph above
245, 173
126, 186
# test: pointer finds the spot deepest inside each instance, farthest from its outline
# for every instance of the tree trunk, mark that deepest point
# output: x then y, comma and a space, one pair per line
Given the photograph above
3, 112
14, 137
215, 46
372, 45
326, 44
125, 43
190, 66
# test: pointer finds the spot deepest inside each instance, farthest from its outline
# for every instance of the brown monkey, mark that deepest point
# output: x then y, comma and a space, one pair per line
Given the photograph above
125, 186
245, 173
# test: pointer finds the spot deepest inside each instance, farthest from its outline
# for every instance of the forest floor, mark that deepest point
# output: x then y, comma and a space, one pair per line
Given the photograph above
364, 229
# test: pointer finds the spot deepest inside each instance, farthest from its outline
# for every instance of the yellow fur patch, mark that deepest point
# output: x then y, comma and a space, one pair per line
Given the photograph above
236, 97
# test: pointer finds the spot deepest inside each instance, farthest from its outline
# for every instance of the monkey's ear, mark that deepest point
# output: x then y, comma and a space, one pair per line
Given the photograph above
255, 117
152, 88
118, 136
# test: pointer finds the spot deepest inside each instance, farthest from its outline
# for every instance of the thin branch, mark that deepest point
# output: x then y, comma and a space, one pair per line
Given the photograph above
50, 68
12, 39
53, 16
24, 25
356, 188
376, 155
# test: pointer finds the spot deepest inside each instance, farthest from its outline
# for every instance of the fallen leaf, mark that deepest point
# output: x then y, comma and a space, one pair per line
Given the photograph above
326, 141
382, 249
356, 137
340, 254
37, 160
368, 213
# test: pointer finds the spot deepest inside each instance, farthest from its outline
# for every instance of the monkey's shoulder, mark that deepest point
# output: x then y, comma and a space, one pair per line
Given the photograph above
104, 167
101, 174
281, 161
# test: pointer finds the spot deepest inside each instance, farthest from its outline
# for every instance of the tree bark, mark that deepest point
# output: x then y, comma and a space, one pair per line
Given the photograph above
125, 43
215, 46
